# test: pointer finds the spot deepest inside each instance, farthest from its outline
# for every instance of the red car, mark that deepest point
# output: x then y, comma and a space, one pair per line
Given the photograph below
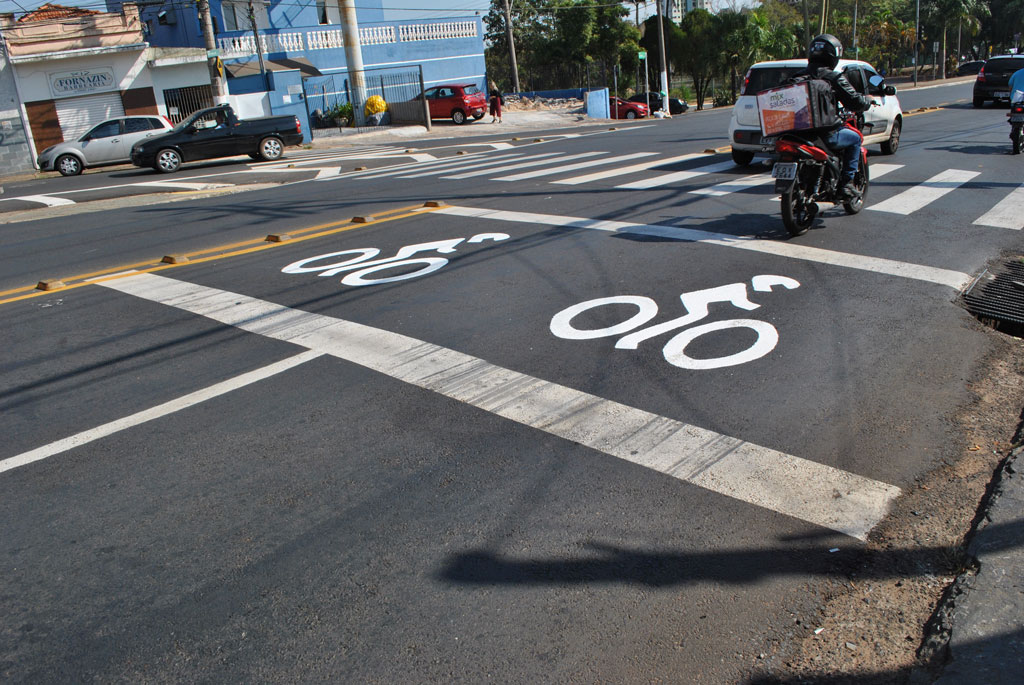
623, 109
457, 102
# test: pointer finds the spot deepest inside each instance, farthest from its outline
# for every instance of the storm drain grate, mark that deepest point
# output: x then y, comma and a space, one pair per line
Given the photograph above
998, 295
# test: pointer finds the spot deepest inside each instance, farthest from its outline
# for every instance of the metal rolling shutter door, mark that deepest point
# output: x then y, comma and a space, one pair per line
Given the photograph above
78, 115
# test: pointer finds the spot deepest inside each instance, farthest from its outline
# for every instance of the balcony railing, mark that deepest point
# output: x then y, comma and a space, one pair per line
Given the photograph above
300, 41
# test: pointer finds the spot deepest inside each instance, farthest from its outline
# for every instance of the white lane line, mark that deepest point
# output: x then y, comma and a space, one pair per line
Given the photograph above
476, 165
915, 198
183, 185
740, 184
1006, 214
953, 279
685, 175
511, 167
572, 167
156, 412
632, 169
804, 489
48, 200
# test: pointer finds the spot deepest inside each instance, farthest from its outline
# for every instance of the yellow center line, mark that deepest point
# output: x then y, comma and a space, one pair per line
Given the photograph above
233, 250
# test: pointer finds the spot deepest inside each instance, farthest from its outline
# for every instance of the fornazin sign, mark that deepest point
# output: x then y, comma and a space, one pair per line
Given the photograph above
82, 81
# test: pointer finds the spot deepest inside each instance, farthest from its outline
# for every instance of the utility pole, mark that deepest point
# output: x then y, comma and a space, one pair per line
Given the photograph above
664, 64
855, 49
259, 45
511, 48
807, 27
917, 37
220, 91
354, 59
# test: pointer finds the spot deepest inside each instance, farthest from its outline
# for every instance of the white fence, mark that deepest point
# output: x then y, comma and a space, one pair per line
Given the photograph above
301, 41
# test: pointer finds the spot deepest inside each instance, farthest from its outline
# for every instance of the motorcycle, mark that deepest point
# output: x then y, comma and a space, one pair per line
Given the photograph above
808, 172
1016, 118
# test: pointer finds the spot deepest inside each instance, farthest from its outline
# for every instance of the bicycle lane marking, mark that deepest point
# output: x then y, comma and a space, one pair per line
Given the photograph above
954, 279
790, 485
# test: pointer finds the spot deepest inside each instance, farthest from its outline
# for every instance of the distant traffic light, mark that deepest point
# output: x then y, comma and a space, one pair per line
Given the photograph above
920, 33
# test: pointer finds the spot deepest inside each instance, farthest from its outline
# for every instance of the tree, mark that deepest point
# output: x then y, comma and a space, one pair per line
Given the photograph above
698, 53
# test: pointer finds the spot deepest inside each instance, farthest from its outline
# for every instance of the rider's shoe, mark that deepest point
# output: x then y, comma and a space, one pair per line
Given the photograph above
847, 191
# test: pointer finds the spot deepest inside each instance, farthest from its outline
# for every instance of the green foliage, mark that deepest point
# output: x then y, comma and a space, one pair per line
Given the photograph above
340, 111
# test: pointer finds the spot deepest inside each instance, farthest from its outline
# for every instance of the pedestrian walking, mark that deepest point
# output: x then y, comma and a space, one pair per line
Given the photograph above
496, 102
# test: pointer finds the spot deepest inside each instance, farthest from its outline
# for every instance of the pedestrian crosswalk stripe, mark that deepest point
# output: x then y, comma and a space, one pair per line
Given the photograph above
633, 168
665, 179
879, 170
573, 167
1006, 214
919, 196
523, 165
947, 277
801, 488
399, 169
479, 164
734, 186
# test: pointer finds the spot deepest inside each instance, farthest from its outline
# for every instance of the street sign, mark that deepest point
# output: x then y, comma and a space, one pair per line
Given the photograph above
935, 46
642, 54
210, 54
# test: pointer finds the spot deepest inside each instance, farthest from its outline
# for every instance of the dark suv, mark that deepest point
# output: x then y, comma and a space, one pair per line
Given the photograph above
994, 78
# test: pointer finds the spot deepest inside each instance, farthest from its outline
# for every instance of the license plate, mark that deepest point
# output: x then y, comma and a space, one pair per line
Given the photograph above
784, 171
1001, 94
768, 143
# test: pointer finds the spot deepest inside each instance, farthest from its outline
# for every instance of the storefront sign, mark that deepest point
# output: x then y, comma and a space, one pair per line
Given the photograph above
82, 82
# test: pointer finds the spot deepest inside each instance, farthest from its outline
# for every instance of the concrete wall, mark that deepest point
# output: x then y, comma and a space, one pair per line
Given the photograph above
15, 156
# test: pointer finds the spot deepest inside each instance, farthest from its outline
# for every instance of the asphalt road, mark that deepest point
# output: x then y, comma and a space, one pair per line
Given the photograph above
296, 461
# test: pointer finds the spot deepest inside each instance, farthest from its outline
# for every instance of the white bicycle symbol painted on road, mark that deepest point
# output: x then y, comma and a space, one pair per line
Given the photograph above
360, 269
696, 304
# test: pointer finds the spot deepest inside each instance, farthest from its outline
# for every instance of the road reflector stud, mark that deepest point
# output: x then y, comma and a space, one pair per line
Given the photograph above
538, 140
613, 128
174, 259
461, 152
362, 219
410, 151
710, 151
516, 138
291, 166
278, 237
435, 203
50, 284
360, 168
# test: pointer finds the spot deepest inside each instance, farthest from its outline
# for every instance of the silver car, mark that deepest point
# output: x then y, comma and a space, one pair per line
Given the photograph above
109, 142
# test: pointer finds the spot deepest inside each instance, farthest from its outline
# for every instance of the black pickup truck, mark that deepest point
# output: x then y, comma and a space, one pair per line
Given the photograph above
217, 132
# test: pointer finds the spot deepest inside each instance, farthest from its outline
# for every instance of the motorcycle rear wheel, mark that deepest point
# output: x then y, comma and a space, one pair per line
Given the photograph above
798, 209
1015, 137
860, 183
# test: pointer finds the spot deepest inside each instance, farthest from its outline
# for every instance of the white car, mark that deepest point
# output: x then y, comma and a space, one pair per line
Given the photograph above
109, 142
882, 124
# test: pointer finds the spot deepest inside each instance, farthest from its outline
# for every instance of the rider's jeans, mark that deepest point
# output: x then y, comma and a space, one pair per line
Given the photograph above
848, 141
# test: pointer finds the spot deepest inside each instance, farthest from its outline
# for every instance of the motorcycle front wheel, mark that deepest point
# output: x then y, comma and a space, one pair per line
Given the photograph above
798, 209
860, 183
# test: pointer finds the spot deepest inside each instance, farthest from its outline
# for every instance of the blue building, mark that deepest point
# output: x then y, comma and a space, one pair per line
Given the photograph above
302, 44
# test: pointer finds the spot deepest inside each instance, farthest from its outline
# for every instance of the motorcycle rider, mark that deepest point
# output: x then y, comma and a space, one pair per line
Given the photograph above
822, 57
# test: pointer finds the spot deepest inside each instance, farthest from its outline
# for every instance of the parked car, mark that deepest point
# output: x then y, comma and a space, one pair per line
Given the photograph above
882, 124
968, 68
457, 102
675, 105
109, 142
993, 82
623, 109
217, 132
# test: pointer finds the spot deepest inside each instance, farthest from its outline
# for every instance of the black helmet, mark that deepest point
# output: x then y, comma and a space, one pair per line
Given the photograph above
825, 51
